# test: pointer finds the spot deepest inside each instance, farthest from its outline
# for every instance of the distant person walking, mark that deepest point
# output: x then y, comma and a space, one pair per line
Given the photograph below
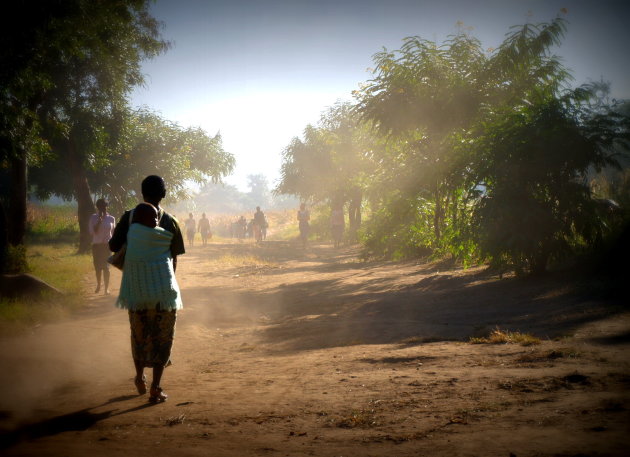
303, 217
204, 229
259, 224
337, 225
191, 229
242, 227
149, 290
101, 228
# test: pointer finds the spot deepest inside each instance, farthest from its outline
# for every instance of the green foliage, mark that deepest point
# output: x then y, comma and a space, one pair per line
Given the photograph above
398, 230
68, 67
149, 144
471, 153
486, 153
426, 87
533, 161
425, 98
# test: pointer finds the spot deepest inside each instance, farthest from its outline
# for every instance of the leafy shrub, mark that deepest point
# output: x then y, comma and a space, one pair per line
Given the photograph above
532, 161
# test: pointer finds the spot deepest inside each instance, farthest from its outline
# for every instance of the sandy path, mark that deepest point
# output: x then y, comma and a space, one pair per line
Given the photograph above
285, 352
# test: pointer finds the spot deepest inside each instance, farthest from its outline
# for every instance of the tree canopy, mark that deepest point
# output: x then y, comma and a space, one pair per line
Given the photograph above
67, 69
478, 153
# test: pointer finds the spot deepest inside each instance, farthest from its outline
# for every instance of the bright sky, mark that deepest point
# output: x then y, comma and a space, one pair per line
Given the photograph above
259, 71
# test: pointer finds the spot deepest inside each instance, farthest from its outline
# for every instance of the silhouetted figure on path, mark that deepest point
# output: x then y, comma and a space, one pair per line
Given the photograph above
204, 229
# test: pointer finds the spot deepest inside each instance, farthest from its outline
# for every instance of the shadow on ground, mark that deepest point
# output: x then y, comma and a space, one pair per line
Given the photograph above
341, 304
76, 421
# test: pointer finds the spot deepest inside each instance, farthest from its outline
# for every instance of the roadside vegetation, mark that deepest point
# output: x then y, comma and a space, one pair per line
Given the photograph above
498, 336
50, 255
60, 266
483, 155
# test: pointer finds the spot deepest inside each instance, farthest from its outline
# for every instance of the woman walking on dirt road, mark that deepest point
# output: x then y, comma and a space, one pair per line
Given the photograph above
149, 290
101, 227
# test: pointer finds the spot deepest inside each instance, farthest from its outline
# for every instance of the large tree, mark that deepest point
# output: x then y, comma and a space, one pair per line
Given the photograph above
533, 161
420, 95
153, 145
424, 98
71, 64
146, 144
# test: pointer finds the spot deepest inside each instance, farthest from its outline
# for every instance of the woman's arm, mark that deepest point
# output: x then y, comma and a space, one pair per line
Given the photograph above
120, 233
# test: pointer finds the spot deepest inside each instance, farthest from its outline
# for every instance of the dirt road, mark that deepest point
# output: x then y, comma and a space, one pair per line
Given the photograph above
284, 352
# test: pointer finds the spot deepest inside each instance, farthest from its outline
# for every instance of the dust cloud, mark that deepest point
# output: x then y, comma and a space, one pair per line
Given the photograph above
59, 358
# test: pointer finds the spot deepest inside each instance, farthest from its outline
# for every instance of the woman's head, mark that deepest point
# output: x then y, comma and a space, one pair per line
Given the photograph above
101, 205
153, 188
145, 214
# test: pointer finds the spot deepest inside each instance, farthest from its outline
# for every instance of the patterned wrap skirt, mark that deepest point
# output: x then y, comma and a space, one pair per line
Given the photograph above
152, 334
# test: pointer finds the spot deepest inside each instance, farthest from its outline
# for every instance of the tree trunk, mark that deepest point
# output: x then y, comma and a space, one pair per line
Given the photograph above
437, 216
17, 205
4, 240
354, 213
81, 194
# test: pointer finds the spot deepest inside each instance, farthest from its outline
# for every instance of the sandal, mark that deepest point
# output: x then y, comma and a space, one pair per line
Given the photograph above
141, 385
157, 396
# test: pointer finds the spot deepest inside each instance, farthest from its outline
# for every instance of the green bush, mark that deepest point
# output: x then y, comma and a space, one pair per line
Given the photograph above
399, 230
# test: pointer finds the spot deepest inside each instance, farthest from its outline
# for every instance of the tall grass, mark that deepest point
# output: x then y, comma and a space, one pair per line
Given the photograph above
283, 225
60, 266
52, 224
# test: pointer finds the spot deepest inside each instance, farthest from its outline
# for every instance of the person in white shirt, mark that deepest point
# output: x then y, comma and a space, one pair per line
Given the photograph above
101, 228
